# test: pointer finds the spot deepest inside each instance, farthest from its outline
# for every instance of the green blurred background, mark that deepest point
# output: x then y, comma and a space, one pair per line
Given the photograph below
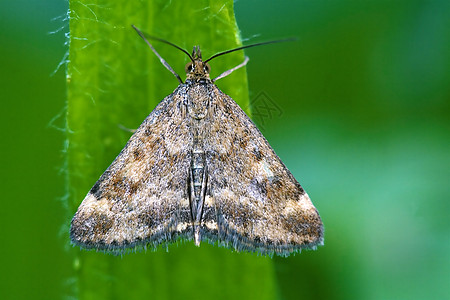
364, 96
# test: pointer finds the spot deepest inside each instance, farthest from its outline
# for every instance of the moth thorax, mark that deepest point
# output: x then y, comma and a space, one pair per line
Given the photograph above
198, 101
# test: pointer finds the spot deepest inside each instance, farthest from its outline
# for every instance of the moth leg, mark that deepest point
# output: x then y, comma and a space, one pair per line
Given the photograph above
192, 202
200, 203
165, 64
198, 218
191, 193
228, 72
126, 128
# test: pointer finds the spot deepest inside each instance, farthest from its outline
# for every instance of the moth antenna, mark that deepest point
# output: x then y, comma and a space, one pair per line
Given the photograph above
165, 64
249, 46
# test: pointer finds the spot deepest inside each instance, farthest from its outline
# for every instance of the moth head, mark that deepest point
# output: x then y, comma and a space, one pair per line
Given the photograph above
197, 69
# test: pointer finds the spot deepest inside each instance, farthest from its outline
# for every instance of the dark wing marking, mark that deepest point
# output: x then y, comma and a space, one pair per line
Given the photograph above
258, 204
142, 197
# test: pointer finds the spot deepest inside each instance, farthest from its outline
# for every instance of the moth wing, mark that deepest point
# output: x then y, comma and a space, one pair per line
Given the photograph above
141, 198
257, 202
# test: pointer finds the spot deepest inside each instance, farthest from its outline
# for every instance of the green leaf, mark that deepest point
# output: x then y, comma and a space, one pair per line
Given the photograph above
114, 81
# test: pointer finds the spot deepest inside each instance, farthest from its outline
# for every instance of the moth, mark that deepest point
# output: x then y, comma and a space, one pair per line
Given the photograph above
197, 169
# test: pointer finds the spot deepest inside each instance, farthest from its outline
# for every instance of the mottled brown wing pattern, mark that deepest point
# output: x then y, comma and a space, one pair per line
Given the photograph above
258, 204
141, 198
